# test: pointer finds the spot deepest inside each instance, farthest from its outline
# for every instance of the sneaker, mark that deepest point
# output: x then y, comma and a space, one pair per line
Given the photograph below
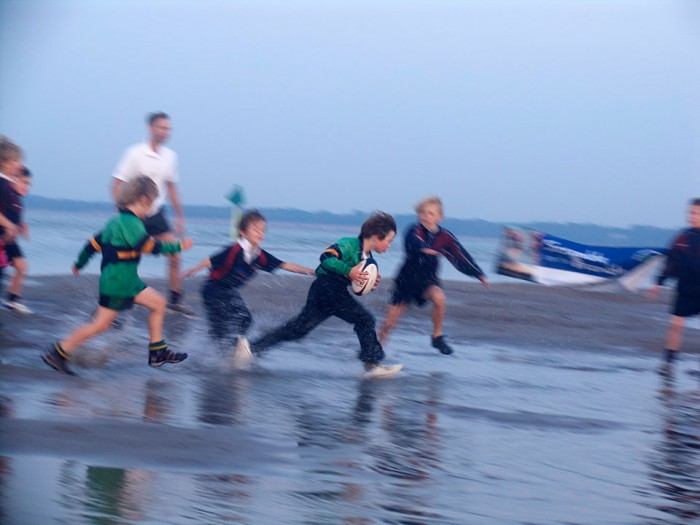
180, 308
440, 343
242, 356
156, 359
376, 370
16, 306
56, 361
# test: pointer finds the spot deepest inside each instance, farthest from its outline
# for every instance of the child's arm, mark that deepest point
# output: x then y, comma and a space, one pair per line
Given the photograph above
204, 263
331, 260
10, 227
91, 247
297, 268
459, 257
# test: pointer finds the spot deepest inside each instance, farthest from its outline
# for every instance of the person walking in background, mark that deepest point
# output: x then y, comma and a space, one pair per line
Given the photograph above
155, 160
417, 281
121, 243
682, 264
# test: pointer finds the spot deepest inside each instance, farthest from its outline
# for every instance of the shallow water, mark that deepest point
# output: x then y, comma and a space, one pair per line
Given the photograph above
492, 435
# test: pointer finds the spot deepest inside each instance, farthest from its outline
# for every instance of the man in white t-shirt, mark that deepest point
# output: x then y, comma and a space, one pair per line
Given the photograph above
155, 160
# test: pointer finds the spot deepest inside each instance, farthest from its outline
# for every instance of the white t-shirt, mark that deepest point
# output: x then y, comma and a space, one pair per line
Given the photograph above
160, 166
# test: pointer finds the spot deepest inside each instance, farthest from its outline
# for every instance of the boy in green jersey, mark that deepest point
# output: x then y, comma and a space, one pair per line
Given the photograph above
121, 242
329, 294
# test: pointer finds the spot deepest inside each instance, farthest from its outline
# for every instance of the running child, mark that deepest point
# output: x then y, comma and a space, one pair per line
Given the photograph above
10, 167
13, 211
417, 281
121, 243
683, 264
229, 270
329, 294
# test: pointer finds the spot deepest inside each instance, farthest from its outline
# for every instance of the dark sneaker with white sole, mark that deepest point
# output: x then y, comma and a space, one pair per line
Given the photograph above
161, 357
51, 357
440, 343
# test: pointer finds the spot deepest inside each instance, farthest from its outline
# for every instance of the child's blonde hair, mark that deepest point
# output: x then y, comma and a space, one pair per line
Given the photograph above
8, 150
137, 188
431, 199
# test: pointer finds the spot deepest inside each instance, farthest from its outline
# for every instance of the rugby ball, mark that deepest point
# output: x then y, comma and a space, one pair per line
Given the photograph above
367, 285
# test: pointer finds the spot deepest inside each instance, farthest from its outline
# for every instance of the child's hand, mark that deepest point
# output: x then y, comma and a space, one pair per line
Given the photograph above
24, 230
75, 270
186, 244
484, 281
376, 283
357, 275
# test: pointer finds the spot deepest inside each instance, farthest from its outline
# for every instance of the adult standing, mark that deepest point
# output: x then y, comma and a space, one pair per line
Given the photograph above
155, 160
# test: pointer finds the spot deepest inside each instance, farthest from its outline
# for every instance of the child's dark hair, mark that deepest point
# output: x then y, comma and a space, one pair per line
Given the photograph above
695, 202
136, 188
248, 217
152, 117
379, 224
25, 172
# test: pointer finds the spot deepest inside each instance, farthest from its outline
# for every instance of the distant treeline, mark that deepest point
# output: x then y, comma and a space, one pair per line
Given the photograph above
583, 233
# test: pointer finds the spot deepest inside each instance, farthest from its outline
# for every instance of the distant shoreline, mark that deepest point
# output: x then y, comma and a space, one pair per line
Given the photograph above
637, 235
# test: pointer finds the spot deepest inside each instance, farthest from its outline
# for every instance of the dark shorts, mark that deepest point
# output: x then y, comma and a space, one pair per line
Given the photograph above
686, 305
116, 303
157, 224
13, 251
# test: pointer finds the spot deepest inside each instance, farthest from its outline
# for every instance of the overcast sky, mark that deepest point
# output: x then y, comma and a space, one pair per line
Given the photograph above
512, 111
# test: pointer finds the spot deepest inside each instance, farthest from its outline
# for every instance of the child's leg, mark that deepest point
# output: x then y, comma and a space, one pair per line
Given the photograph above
435, 295
155, 302
674, 337
100, 322
308, 319
20, 266
351, 311
393, 315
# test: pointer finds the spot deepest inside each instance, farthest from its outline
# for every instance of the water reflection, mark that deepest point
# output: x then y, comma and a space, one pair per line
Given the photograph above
675, 461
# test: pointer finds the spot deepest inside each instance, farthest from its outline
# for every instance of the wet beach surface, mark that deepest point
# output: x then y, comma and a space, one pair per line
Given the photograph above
550, 411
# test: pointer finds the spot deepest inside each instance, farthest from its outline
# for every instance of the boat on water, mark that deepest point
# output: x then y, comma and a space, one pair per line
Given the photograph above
553, 261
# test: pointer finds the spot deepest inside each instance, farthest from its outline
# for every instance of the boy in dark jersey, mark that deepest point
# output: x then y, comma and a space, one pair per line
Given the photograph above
13, 211
230, 269
10, 167
417, 281
121, 243
683, 264
329, 294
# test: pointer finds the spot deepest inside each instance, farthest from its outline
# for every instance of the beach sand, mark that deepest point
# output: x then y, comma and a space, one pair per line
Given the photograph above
536, 369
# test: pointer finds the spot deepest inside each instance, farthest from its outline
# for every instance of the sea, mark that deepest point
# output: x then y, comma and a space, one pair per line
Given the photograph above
494, 435
57, 237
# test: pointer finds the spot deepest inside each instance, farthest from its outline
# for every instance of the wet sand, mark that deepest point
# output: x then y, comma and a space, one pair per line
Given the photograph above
550, 411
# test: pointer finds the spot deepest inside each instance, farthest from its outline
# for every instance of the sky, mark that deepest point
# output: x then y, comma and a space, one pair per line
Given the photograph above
582, 111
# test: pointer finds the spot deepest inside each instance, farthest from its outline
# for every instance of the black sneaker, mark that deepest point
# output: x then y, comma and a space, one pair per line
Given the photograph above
51, 357
440, 343
156, 359
180, 308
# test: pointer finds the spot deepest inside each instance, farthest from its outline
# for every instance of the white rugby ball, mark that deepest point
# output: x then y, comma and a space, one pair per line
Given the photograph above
367, 285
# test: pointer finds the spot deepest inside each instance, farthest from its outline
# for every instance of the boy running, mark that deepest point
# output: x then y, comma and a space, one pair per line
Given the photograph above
418, 281
329, 294
683, 264
121, 242
230, 270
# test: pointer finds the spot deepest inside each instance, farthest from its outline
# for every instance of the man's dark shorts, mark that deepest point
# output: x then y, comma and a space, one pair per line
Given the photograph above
686, 305
116, 303
157, 224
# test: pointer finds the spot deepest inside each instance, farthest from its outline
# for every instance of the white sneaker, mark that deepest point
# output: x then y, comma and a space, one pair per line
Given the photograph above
242, 356
16, 306
376, 371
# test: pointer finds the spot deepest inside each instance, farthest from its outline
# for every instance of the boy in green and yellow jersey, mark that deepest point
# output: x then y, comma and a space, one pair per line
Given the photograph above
121, 243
